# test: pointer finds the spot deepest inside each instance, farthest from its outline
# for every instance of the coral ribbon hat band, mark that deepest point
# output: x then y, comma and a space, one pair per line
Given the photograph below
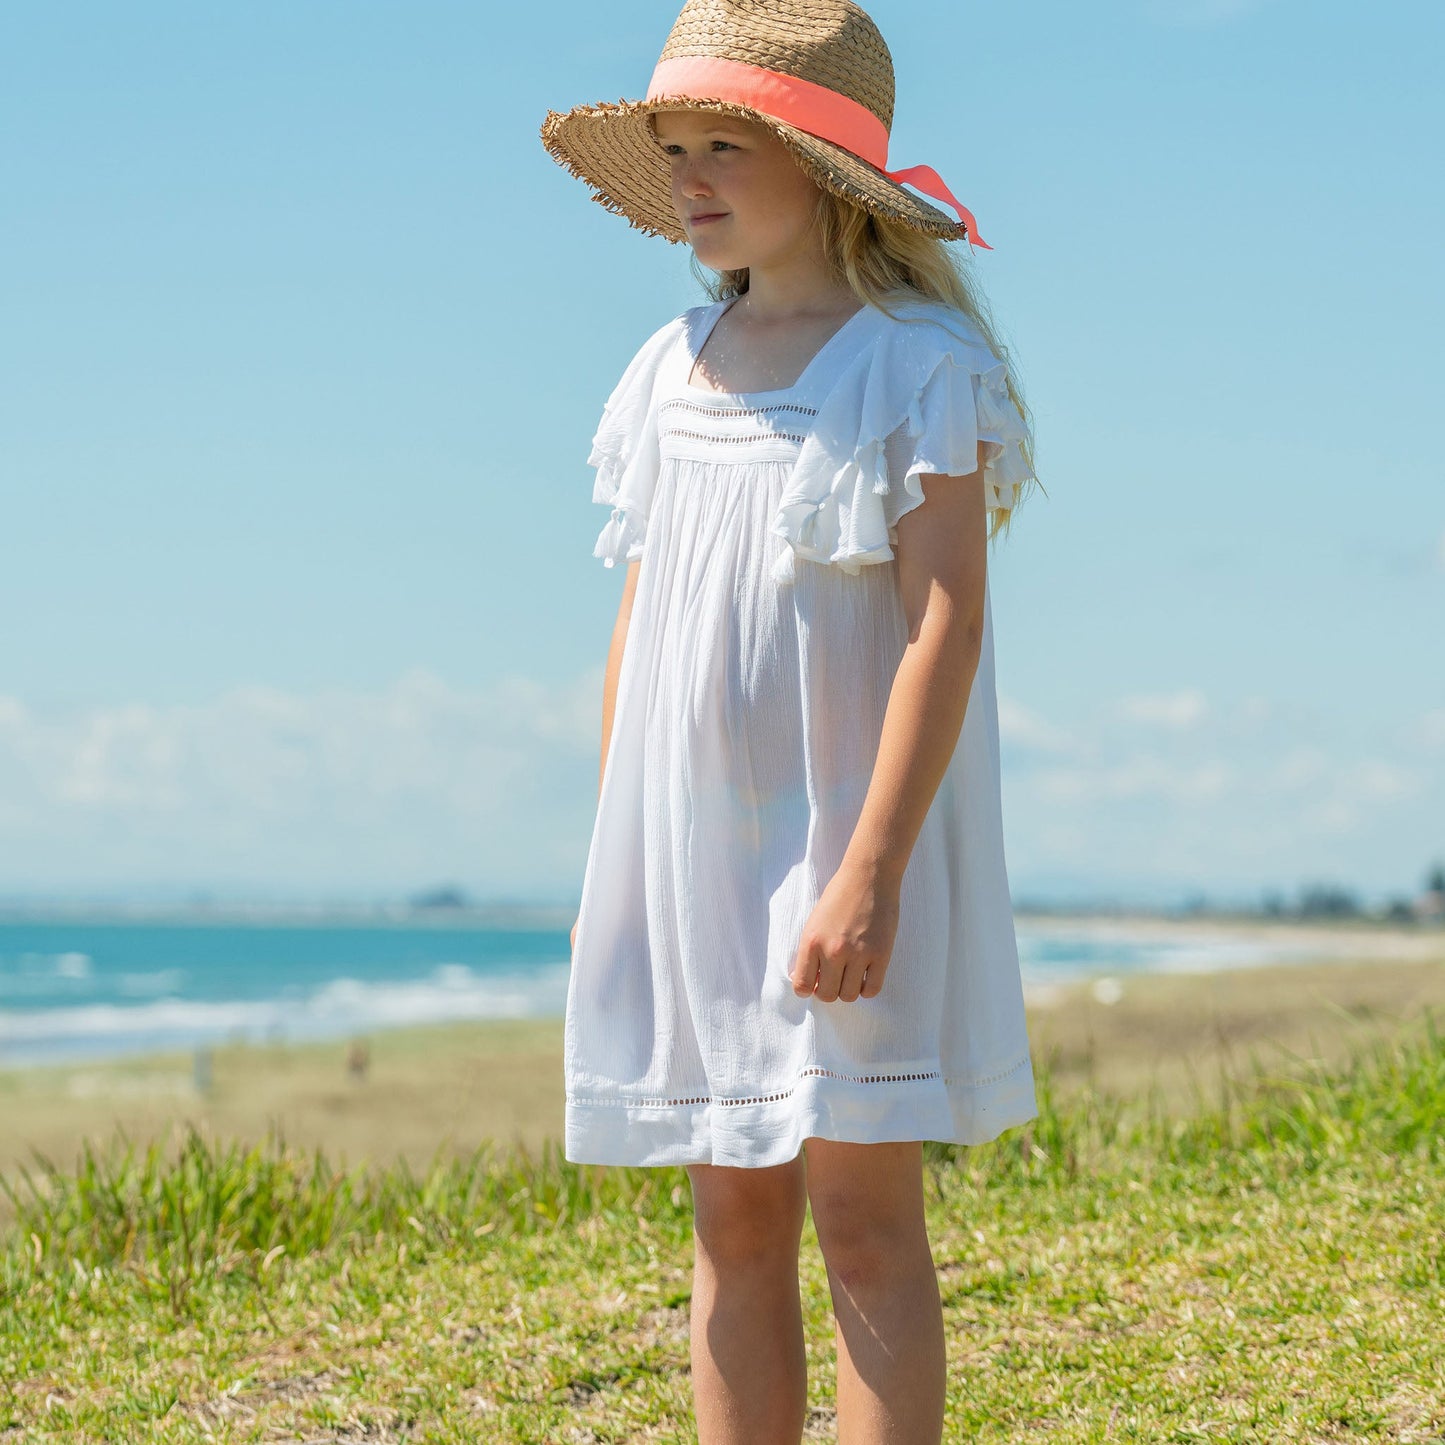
805, 106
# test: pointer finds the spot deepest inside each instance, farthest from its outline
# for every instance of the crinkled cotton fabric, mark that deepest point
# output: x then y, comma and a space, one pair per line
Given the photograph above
766, 630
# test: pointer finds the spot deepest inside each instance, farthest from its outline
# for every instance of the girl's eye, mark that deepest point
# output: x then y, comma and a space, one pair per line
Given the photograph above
672, 148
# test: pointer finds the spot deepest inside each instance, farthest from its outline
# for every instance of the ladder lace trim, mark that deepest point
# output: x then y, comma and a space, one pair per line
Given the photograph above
678, 419
788, 1093
750, 438
702, 409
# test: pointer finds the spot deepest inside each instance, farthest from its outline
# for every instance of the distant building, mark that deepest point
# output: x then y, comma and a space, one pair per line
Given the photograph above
1429, 907
447, 897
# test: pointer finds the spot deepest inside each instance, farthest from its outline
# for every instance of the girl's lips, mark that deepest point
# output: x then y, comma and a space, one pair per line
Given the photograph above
703, 220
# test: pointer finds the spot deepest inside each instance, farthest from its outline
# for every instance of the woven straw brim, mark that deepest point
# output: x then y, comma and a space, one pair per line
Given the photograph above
613, 150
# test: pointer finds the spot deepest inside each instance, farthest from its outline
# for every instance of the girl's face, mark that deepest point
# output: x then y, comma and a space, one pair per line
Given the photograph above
741, 197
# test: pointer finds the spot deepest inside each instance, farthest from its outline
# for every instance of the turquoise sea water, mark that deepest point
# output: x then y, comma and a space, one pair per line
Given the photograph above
85, 988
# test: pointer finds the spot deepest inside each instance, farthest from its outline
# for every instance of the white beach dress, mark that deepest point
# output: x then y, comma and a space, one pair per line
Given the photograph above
766, 630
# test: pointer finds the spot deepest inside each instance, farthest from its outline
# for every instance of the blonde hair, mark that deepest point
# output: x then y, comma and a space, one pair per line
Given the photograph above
883, 260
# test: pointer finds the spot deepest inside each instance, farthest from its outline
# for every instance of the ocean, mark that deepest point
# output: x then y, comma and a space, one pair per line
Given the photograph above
85, 988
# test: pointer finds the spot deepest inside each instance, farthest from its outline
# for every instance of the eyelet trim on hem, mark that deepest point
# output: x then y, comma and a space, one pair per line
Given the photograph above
788, 1093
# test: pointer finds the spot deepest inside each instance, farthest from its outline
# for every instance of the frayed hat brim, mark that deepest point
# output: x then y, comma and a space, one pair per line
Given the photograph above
611, 148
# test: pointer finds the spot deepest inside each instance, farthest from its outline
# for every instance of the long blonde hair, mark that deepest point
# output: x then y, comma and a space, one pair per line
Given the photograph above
882, 261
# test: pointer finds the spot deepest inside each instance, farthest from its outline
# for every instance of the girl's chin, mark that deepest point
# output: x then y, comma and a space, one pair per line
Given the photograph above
716, 258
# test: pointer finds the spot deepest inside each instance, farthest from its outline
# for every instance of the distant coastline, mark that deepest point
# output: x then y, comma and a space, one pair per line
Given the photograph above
97, 982
522, 916
548, 916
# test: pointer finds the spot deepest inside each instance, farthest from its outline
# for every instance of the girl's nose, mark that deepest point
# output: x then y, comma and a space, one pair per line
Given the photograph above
691, 180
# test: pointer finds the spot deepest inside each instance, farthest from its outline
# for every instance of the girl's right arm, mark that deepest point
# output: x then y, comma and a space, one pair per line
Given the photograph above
614, 663
609, 686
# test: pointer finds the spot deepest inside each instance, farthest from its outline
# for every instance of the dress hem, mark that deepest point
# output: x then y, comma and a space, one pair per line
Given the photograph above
771, 1132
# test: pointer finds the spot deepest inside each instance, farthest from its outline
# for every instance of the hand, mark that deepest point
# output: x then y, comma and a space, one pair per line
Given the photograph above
848, 938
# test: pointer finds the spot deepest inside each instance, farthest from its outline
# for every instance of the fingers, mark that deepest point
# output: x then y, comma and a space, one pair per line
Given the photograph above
804, 974
845, 983
836, 980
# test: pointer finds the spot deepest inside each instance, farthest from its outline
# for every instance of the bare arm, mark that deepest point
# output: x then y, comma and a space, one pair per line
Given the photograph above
942, 559
614, 663
609, 683
847, 942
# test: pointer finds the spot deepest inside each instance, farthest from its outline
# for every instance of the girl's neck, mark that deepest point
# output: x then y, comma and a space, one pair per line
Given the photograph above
791, 291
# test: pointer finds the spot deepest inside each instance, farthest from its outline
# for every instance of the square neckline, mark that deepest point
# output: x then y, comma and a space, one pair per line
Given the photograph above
720, 310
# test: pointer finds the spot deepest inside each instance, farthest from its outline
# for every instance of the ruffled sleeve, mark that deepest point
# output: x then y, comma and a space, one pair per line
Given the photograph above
625, 450
928, 396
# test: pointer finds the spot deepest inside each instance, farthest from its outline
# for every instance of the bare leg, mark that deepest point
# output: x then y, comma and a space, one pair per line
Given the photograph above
868, 1209
749, 1371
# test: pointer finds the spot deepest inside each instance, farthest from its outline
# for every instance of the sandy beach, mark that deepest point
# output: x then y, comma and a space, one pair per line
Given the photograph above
452, 1087
1281, 939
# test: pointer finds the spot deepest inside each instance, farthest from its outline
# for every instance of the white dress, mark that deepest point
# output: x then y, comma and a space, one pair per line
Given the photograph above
766, 629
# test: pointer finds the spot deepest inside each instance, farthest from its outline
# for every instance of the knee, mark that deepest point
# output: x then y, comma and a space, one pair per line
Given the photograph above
868, 1248
740, 1217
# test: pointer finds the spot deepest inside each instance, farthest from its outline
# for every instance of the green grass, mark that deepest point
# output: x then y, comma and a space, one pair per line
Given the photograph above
1266, 1268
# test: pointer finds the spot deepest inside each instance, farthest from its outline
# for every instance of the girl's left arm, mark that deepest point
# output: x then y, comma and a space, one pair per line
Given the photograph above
942, 556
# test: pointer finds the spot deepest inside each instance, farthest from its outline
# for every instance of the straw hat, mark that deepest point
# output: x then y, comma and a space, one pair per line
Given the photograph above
817, 72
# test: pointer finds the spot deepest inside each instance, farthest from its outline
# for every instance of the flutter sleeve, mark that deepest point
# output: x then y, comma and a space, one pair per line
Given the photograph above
625, 451
929, 396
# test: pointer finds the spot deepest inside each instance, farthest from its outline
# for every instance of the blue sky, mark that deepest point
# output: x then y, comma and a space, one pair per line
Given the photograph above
303, 337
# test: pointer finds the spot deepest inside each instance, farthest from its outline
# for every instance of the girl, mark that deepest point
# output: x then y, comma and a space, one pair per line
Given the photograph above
795, 920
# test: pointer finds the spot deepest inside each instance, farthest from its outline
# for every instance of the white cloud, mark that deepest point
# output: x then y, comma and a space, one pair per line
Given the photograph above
346, 791
1184, 709
1236, 796
1374, 780
1300, 769
1021, 728
1137, 777
1335, 817
417, 779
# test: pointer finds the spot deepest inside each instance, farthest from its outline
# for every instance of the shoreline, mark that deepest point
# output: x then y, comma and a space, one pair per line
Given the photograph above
1123, 945
452, 1087
1316, 938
